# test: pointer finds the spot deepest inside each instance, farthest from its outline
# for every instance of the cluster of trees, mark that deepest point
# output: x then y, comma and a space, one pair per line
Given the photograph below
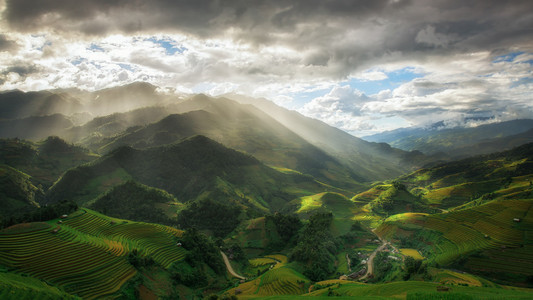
40, 214
138, 261
414, 266
316, 247
201, 252
382, 265
236, 252
210, 215
136, 202
287, 226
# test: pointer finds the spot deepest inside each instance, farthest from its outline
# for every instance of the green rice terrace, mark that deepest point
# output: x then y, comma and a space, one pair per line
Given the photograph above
84, 254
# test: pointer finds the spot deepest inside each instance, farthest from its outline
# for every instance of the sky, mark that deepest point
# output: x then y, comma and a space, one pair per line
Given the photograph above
362, 66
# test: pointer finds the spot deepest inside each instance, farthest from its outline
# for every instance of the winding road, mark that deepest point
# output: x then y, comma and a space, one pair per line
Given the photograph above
370, 261
229, 267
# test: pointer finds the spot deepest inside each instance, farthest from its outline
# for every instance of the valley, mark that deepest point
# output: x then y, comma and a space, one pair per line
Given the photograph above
192, 196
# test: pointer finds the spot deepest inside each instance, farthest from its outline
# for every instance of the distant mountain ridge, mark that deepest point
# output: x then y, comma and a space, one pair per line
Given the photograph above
460, 142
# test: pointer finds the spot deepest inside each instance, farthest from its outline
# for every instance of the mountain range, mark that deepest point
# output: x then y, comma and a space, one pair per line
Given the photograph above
149, 187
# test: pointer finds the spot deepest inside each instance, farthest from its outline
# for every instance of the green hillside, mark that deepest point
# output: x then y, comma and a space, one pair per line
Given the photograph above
137, 202
45, 161
244, 128
195, 168
17, 192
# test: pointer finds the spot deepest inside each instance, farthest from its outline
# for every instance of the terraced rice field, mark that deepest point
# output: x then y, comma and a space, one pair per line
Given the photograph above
455, 278
411, 252
86, 254
278, 281
282, 281
515, 260
16, 287
485, 227
256, 262
399, 290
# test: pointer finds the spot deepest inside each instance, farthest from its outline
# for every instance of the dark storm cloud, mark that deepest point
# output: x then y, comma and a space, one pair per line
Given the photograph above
343, 34
22, 70
197, 17
6, 44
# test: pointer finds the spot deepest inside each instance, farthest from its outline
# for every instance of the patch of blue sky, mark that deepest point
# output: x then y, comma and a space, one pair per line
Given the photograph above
507, 57
96, 48
394, 80
78, 61
301, 98
529, 62
521, 81
170, 46
126, 66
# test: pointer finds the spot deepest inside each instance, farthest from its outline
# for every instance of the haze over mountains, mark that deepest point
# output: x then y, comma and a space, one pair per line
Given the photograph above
276, 135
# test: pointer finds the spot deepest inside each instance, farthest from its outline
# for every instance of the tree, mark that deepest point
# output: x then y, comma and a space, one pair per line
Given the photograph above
411, 266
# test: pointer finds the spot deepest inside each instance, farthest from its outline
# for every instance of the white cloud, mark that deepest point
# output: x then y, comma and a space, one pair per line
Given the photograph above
340, 108
371, 75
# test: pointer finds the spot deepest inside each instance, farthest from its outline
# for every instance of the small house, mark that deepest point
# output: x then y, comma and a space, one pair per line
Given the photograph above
64, 216
178, 244
516, 220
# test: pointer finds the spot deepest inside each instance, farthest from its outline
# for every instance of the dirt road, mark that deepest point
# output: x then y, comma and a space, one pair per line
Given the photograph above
229, 267
370, 261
